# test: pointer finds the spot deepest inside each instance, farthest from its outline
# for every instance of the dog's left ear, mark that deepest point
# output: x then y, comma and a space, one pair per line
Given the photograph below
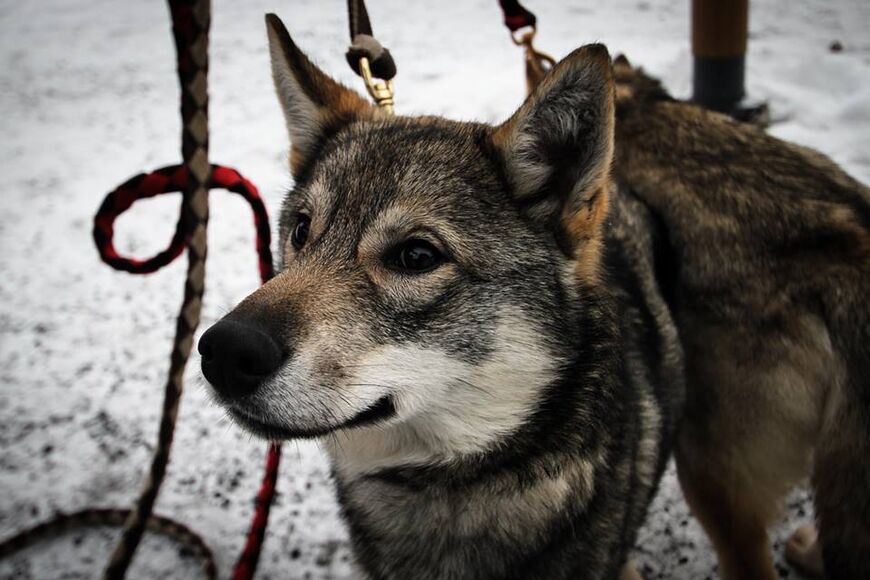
313, 103
558, 147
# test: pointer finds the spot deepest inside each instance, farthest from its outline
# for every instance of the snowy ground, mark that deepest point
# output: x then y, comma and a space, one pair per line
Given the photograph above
88, 97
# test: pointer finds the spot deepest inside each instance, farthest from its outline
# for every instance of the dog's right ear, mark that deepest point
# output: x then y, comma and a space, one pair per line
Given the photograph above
313, 103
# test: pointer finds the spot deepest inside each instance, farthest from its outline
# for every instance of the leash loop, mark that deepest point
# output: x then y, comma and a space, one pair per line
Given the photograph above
142, 186
174, 178
524, 39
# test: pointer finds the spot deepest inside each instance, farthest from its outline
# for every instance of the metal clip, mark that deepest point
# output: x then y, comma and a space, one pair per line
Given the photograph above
525, 39
381, 91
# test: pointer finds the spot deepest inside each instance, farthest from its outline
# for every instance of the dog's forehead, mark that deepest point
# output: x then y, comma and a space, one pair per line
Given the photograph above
428, 164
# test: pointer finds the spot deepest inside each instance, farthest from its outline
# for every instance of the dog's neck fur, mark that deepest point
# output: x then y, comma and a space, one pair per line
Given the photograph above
500, 510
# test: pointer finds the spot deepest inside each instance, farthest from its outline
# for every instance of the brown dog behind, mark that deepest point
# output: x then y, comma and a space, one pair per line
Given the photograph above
768, 281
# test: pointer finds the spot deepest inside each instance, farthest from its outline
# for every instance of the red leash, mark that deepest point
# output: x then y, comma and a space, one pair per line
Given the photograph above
516, 16
195, 177
190, 24
172, 179
167, 180
246, 565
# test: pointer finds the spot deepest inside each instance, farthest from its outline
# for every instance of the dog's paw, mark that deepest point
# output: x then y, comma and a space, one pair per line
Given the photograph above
804, 551
629, 571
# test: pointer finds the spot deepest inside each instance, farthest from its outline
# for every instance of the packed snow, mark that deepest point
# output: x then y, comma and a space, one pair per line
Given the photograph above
89, 97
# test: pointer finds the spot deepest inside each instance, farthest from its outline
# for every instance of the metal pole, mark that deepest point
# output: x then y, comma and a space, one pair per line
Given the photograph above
719, 31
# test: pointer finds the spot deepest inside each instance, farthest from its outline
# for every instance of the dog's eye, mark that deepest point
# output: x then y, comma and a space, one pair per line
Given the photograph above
415, 257
300, 232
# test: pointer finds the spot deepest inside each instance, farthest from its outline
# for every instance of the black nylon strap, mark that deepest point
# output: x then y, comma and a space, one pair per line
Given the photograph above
516, 16
364, 44
359, 18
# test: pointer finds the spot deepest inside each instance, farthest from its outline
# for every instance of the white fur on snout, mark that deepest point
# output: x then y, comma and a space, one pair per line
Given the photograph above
299, 399
447, 407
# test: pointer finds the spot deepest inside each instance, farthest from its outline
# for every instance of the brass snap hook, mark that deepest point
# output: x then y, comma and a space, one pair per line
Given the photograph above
537, 63
381, 91
524, 39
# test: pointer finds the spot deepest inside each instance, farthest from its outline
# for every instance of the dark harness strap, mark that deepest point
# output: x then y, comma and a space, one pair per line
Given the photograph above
364, 44
358, 18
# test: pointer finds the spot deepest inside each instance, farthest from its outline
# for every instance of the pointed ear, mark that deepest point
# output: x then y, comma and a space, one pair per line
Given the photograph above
557, 148
314, 105
621, 60
623, 79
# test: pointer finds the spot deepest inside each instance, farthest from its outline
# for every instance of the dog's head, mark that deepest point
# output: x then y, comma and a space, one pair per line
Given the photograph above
430, 269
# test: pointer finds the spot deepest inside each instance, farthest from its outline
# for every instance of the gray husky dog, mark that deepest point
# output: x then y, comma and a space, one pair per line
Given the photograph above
469, 318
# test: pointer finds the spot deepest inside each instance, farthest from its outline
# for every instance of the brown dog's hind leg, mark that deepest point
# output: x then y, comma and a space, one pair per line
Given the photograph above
731, 514
755, 400
841, 478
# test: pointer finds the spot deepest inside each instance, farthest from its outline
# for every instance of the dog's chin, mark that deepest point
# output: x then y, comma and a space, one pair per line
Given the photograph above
382, 410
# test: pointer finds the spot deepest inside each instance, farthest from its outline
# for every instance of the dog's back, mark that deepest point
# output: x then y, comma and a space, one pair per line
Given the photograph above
769, 266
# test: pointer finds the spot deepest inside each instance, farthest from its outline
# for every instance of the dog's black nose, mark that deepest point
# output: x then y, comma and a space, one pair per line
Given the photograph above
237, 356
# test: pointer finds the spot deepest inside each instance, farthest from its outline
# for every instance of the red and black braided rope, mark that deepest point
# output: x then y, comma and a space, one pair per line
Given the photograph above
162, 181
246, 565
196, 176
169, 180
191, 19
